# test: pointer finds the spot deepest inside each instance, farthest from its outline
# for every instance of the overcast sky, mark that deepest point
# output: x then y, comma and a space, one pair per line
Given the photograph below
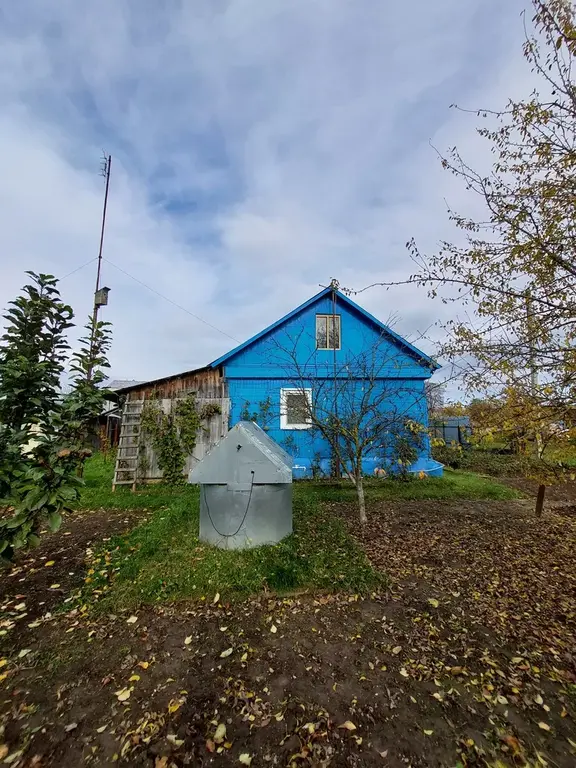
260, 148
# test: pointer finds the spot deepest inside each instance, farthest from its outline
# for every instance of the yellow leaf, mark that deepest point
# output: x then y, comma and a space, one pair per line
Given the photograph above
349, 725
144, 664
132, 620
428, 732
538, 699
123, 695
544, 726
220, 733
404, 673
54, 586
245, 758
49, 563
188, 640
226, 653
244, 657
437, 696
3, 663
216, 598
174, 705
396, 650
273, 629
134, 678
101, 729
434, 603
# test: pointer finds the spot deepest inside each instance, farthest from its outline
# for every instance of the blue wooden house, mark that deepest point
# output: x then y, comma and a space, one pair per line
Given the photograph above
326, 355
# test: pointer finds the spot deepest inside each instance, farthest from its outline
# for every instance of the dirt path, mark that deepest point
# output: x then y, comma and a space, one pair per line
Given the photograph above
468, 657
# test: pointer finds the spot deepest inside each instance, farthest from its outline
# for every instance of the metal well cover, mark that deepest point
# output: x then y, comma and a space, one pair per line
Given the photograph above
245, 449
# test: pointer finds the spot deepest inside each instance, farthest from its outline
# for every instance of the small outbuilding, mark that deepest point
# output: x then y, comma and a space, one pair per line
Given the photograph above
245, 490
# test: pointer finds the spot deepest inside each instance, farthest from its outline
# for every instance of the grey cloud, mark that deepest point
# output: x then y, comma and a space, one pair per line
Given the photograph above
260, 148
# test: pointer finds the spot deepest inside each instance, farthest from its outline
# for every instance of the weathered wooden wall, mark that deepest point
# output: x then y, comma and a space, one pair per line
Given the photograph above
216, 428
207, 383
209, 386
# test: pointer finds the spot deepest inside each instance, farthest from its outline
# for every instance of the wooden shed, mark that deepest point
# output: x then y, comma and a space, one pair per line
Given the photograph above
137, 461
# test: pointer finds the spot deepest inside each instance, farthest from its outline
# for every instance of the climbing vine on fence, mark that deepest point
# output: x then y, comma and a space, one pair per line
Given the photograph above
174, 434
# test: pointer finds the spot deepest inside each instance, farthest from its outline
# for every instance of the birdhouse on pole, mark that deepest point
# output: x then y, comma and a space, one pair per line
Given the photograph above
101, 297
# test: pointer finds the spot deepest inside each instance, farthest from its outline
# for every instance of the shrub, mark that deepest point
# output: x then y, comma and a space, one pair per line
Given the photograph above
450, 455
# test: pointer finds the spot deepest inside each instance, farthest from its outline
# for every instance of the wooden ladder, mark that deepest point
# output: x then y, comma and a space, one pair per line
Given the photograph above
127, 456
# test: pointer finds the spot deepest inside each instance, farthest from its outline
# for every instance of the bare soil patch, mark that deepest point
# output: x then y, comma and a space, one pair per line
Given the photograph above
469, 657
563, 493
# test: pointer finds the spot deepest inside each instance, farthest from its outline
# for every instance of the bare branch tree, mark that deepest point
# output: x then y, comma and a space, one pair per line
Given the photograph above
360, 405
516, 270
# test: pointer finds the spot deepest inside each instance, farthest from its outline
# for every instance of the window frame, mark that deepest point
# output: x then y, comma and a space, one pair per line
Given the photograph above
327, 318
284, 392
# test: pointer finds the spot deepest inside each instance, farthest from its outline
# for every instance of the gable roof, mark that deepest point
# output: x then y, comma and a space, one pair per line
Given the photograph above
342, 299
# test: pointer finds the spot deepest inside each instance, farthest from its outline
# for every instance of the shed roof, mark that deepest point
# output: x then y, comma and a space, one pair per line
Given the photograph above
163, 380
246, 449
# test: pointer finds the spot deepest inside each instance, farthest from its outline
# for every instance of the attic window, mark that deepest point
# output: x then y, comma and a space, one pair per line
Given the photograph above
327, 331
295, 407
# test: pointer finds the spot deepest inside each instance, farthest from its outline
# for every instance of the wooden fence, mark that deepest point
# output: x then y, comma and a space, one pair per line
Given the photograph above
216, 428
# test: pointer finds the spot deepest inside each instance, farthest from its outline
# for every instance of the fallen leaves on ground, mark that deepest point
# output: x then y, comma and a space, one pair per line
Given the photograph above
468, 659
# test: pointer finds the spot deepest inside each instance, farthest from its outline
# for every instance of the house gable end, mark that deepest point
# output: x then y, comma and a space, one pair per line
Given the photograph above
290, 343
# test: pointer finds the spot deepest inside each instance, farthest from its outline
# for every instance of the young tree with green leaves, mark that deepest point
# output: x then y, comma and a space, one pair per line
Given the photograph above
43, 433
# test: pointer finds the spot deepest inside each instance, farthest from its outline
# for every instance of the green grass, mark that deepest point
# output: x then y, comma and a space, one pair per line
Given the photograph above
454, 485
163, 559
97, 494
487, 460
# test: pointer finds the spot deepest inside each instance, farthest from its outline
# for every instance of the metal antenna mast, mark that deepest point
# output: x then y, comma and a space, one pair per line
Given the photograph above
100, 294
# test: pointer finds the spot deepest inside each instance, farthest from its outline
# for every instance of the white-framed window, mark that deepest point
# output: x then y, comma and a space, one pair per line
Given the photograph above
295, 406
327, 331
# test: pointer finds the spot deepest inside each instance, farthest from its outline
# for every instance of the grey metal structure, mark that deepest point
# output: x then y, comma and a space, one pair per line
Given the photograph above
245, 490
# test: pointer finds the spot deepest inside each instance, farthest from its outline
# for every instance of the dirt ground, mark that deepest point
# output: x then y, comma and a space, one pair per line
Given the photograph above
556, 495
468, 658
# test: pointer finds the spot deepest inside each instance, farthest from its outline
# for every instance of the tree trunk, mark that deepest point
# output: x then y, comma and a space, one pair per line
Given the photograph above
361, 500
540, 500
